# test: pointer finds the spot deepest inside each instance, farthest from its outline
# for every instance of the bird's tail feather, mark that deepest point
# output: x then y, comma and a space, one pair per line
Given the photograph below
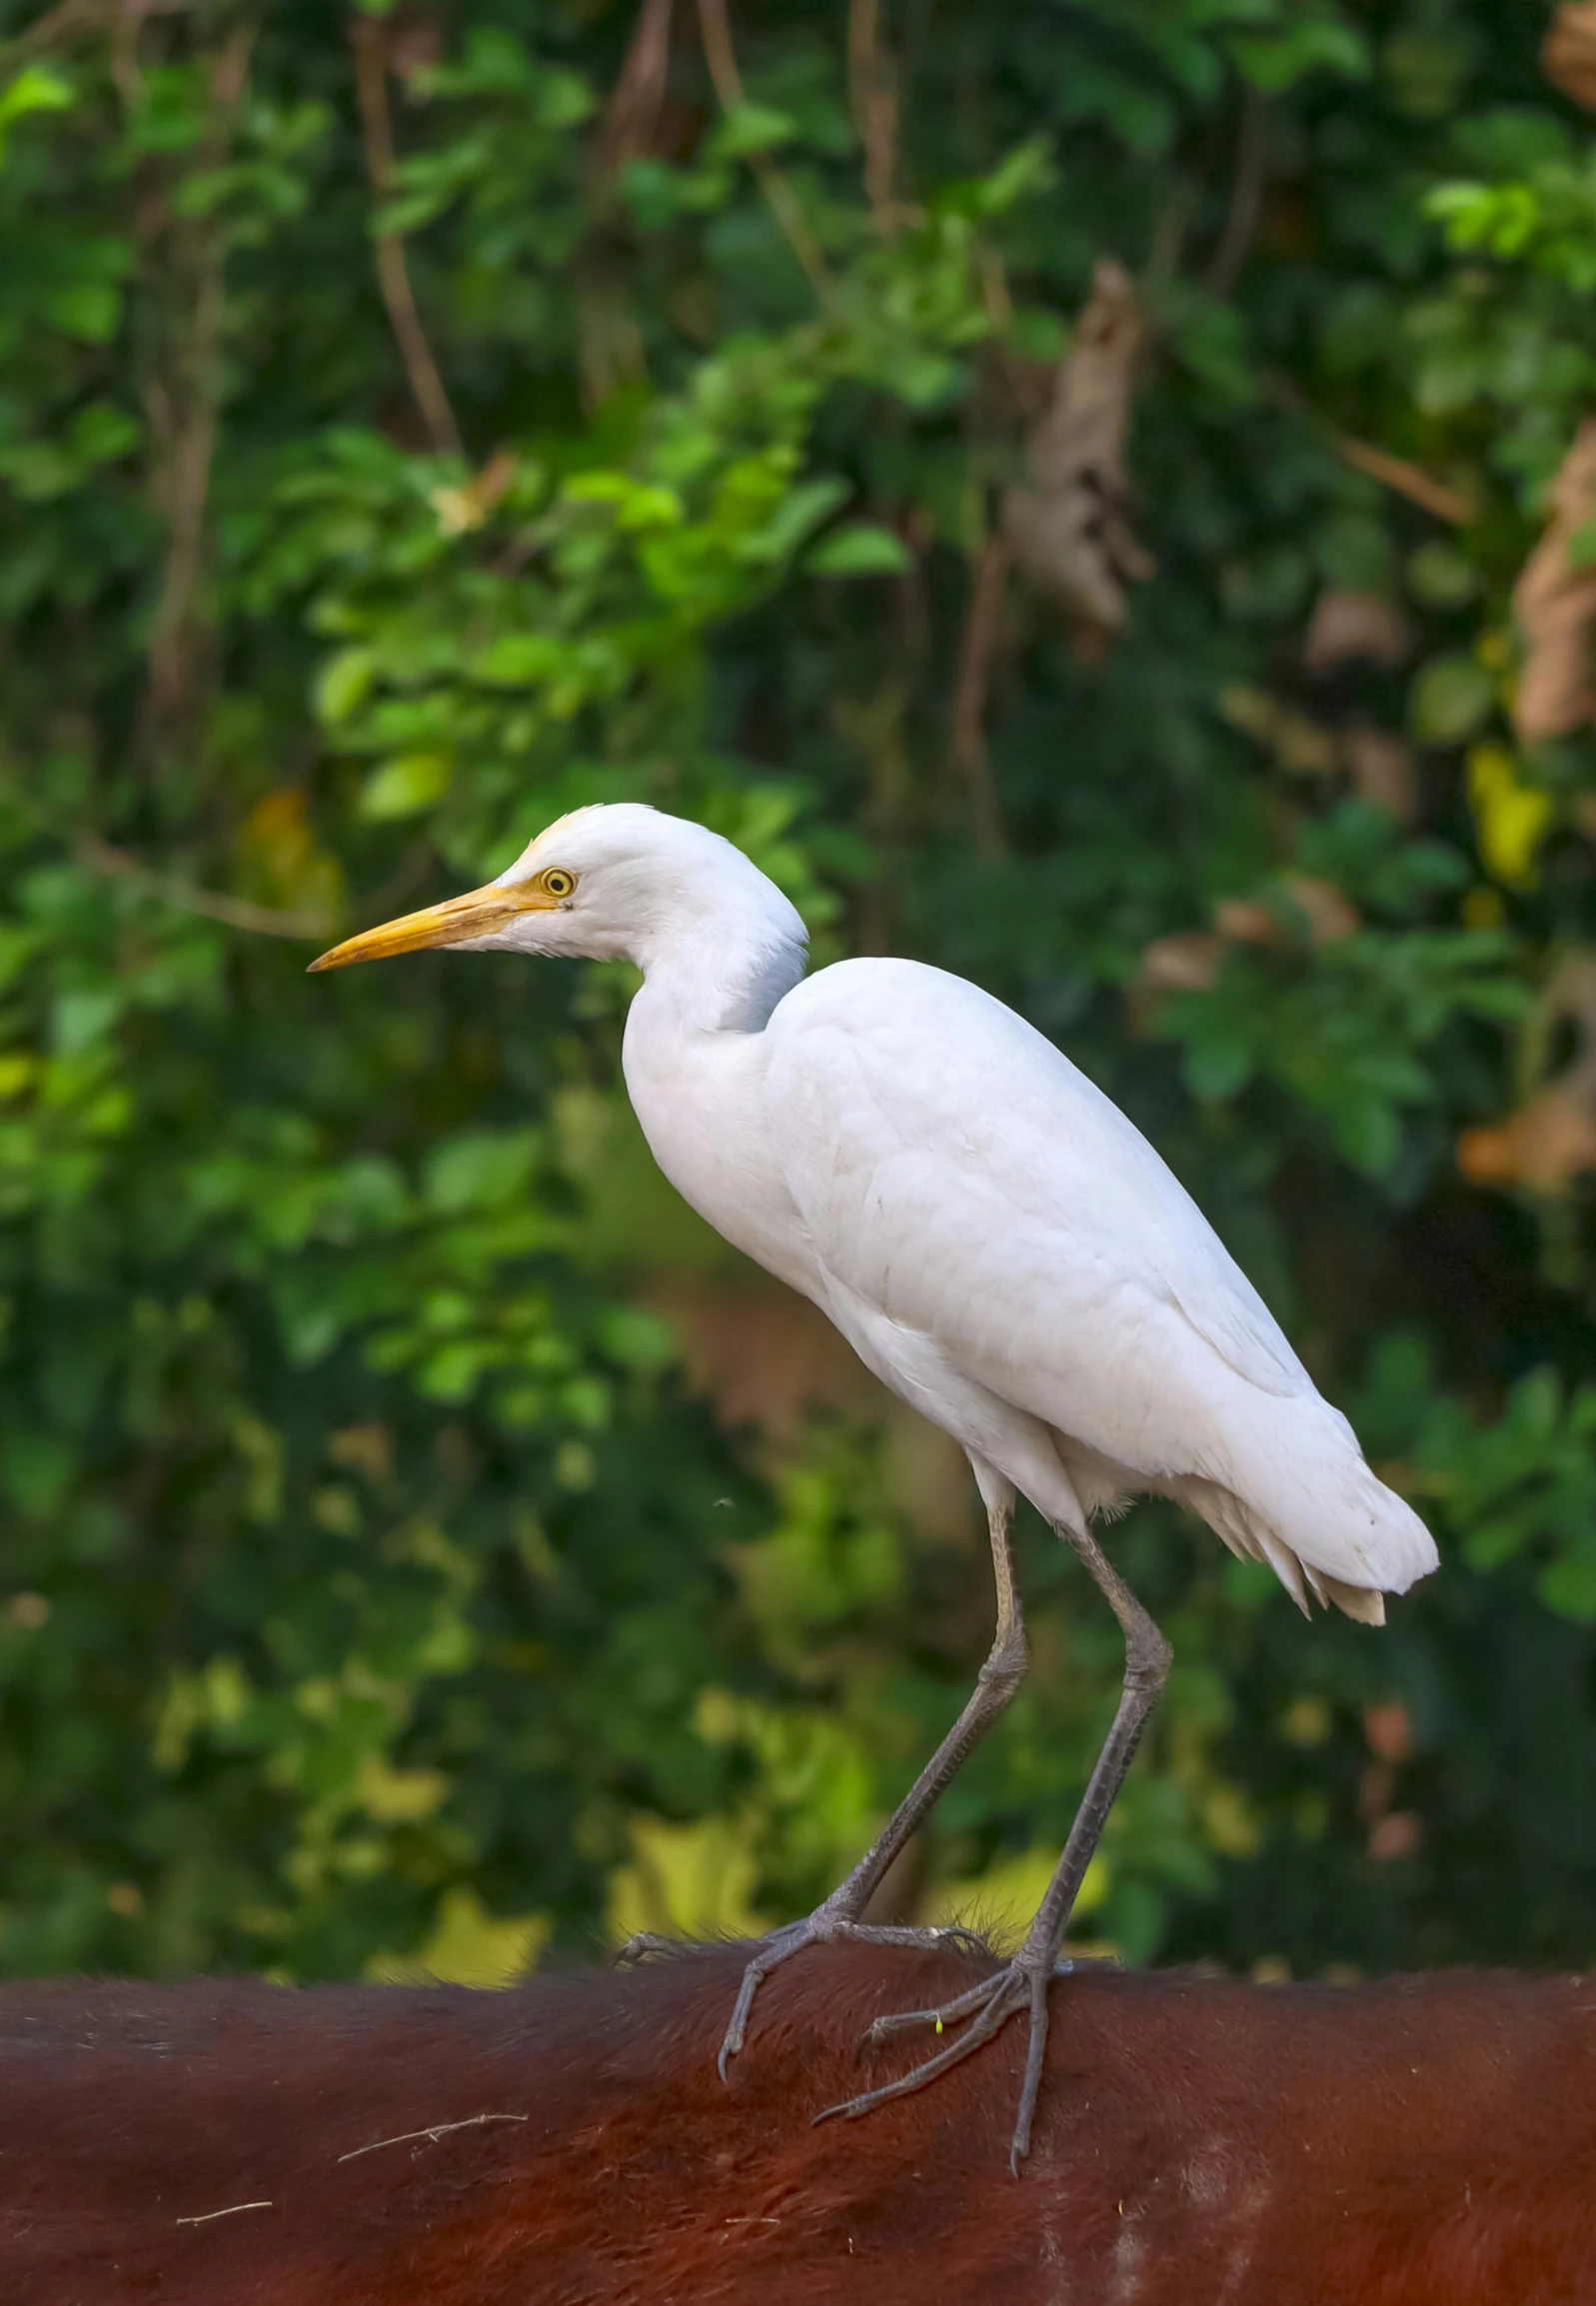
1408, 1554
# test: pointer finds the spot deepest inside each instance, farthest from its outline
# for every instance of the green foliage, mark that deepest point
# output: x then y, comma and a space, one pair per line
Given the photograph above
376, 1587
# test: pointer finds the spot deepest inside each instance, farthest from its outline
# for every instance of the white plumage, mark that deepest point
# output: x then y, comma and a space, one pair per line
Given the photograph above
1003, 1246
995, 1239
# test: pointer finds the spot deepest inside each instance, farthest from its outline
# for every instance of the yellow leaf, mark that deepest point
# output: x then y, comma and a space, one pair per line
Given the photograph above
398, 1796
1002, 1901
687, 1881
1511, 818
469, 1948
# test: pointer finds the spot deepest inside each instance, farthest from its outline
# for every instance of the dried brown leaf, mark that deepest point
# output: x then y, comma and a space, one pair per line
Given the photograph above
1383, 770
1243, 920
1299, 745
1551, 1138
633, 112
1346, 626
1569, 56
1329, 913
1545, 1145
1066, 522
1389, 1730
1398, 1834
1188, 961
1555, 606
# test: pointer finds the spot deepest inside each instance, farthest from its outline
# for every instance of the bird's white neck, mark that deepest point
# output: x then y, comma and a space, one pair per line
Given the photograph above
721, 973
695, 1056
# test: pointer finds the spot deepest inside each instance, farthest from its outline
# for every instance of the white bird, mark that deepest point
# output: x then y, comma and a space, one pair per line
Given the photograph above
998, 1244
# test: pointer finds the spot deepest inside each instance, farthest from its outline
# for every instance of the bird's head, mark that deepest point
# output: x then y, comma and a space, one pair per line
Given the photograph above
615, 882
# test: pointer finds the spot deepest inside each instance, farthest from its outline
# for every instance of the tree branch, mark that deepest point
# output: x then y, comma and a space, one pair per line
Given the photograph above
968, 745
872, 98
98, 854
368, 38
1246, 196
1408, 480
73, 18
719, 53
634, 109
193, 443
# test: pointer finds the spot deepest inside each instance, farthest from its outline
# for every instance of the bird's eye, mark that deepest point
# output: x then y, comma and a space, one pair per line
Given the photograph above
557, 881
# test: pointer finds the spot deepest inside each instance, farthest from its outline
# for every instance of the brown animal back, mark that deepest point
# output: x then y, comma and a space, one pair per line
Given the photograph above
1423, 2142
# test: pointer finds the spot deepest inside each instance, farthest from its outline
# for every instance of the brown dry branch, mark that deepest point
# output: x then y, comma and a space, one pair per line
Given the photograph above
1407, 480
1246, 195
75, 19
184, 406
1066, 522
1569, 56
715, 28
1398, 474
415, 45
126, 69
369, 37
1554, 603
432, 2134
873, 102
633, 113
99, 856
967, 744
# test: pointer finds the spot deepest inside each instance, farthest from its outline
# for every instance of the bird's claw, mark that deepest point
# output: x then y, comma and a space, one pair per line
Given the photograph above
823, 1929
982, 2010
642, 1944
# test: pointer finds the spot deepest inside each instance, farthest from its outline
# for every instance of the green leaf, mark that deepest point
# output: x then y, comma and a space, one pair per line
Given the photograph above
1311, 40
1442, 576
1449, 699
1568, 1584
862, 549
344, 684
802, 510
751, 128
1216, 1068
36, 88
404, 787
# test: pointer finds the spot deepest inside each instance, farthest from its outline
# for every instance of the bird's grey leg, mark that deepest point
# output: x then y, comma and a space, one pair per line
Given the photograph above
1023, 1982
839, 1917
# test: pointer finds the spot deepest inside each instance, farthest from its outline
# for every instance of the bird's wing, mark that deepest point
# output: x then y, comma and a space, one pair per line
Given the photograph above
959, 1173
963, 1181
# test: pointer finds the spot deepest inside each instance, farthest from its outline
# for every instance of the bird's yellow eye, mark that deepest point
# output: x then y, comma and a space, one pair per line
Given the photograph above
557, 881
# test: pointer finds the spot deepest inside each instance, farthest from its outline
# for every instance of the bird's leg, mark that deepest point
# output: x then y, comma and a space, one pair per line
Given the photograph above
839, 1917
1022, 1984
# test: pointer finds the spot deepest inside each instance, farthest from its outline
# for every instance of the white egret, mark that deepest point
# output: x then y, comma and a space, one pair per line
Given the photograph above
995, 1241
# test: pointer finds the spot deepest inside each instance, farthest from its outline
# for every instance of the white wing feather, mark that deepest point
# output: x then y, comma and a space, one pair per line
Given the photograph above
959, 1176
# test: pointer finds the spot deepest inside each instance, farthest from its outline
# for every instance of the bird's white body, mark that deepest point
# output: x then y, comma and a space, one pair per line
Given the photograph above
1010, 1254
996, 1239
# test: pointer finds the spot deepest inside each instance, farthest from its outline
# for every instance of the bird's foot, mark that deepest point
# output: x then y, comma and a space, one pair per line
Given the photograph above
983, 2011
644, 1942
824, 1926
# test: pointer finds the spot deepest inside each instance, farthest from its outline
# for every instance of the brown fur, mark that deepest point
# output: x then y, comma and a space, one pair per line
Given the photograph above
1426, 2142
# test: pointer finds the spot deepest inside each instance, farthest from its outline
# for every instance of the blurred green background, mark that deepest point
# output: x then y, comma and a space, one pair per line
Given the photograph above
1090, 495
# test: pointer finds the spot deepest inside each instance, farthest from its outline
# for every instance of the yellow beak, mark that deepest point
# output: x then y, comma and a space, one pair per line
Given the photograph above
477, 914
